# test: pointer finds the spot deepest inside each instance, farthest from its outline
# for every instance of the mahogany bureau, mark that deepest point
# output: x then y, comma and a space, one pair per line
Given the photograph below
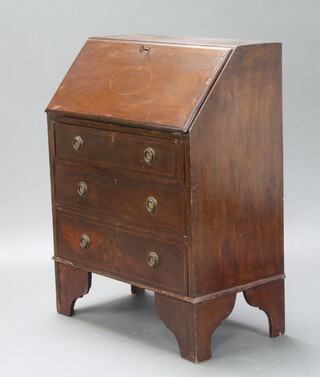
166, 169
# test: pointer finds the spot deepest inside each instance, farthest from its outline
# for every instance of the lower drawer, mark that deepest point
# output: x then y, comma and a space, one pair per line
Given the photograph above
124, 254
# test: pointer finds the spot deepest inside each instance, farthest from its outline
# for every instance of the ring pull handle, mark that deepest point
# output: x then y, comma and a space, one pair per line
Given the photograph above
153, 259
149, 155
152, 204
84, 242
77, 143
82, 189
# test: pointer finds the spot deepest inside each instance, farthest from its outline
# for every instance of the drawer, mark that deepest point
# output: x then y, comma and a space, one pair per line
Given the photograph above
121, 253
121, 198
117, 150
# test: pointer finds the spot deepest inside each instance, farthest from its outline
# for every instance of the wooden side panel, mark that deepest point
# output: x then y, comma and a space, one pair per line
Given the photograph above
154, 84
236, 178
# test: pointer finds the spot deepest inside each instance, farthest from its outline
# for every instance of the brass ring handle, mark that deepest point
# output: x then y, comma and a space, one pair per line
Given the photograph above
85, 242
153, 259
77, 143
149, 155
82, 189
152, 204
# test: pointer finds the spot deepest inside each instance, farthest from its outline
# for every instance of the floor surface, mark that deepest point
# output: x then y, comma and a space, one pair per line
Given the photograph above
114, 333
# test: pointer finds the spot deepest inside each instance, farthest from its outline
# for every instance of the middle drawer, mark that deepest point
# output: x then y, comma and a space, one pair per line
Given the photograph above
148, 205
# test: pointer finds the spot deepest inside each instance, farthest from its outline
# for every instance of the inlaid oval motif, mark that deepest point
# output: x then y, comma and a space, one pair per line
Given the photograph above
131, 80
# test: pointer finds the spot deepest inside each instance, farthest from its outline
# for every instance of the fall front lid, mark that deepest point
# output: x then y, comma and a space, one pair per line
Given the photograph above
148, 83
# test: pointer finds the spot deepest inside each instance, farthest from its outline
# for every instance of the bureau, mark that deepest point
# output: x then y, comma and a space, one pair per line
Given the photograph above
166, 171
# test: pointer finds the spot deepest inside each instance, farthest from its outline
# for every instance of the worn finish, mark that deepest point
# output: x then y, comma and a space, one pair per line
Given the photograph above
105, 148
237, 195
194, 324
172, 184
122, 202
71, 284
269, 298
122, 253
123, 82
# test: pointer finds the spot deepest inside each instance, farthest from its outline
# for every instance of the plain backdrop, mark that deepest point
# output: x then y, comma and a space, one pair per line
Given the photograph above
114, 333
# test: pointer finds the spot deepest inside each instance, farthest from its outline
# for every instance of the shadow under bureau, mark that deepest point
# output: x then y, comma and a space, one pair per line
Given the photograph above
166, 170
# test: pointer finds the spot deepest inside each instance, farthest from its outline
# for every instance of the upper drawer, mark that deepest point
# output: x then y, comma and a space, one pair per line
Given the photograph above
117, 150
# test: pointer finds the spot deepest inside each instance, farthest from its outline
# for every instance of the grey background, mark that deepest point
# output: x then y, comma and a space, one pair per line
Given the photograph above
113, 333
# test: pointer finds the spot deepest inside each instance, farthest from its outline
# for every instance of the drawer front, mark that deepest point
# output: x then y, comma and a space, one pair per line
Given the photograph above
117, 150
121, 253
122, 199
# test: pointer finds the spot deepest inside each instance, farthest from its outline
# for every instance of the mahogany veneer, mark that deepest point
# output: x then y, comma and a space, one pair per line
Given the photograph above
166, 170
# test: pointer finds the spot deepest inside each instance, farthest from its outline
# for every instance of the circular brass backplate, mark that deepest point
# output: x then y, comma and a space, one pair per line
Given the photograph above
82, 189
149, 155
152, 204
77, 143
84, 242
153, 259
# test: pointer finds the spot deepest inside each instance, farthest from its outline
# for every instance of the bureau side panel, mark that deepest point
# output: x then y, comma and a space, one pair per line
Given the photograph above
236, 179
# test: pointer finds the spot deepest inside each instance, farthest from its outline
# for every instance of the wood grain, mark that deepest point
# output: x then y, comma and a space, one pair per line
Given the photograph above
114, 80
122, 253
270, 298
235, 178
111, 149
71, 284
120, 198
212, 112
194, 324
